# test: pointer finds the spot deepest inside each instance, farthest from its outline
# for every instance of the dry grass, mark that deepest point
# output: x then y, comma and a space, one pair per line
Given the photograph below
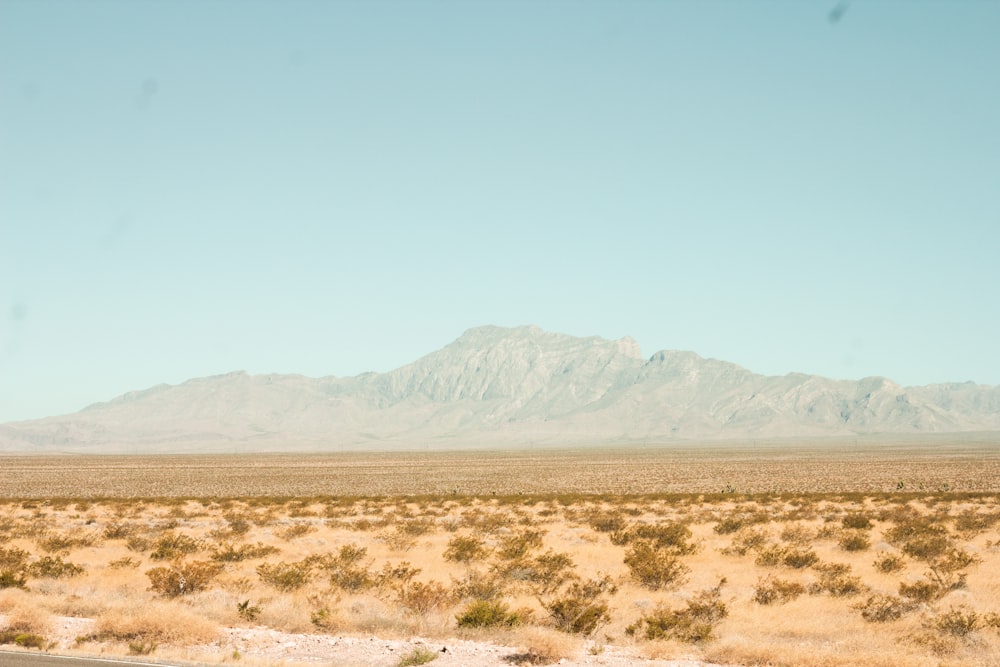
800, 589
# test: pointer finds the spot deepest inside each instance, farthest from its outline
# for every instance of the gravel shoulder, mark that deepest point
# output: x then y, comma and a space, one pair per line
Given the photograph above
265, 647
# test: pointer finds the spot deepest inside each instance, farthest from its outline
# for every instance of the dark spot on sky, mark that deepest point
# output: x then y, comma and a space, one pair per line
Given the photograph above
19, 311
838, 11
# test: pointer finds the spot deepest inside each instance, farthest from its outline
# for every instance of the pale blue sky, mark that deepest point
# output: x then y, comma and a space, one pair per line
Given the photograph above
189, 188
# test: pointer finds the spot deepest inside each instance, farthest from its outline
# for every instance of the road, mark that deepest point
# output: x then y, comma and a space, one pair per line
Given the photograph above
35, 659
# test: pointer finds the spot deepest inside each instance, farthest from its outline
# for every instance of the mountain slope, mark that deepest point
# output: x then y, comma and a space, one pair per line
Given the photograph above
496, 386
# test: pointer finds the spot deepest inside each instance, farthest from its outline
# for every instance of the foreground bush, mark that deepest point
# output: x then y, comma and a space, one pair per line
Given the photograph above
692, 624
582, 608
655, 567
488, 614
182, 578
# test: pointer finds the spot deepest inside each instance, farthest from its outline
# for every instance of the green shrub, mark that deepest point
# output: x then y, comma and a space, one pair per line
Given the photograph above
478, 586
13, 579
856, 521
957, 622
488, 614
836, 579
607, 522
24, 639
799, 558
881, 608
854, 540
247, 611
13, 558
692, 624
182, 578
418, 656
745, 540
50, 567
231, 553
734, 522
772, 590
582, 608
465, 549
670, 535
517, 545
174, 545
888, 563
655, 568
285, 577
921, 591
420, 598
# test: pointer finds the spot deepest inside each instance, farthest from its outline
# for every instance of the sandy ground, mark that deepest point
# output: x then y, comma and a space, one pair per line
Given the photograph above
264, 647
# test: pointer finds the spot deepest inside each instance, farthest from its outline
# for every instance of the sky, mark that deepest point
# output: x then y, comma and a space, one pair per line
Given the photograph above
189, 188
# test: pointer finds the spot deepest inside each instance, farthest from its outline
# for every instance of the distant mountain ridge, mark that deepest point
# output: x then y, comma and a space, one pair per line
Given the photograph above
498, 387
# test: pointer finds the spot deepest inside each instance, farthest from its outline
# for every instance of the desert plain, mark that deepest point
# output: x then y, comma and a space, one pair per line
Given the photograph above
756, 554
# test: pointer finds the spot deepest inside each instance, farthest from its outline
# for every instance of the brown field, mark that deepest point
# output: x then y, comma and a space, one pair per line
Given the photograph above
749, 556
819, 468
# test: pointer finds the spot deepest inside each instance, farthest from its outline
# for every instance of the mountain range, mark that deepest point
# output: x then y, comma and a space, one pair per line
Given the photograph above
499, 387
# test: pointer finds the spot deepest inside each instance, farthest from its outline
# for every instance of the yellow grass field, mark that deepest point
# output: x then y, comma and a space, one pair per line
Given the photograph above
746, 556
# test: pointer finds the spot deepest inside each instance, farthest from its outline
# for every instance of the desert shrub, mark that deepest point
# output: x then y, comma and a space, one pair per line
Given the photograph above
420, 598
670, 535
118, 530
693, 624
248, 611
582, 608
947, 569
881, 608
957, 621
420, 655
856, 521
232, 553
854, 540
174, 545
771, 590
919, 537
888, 563
285, 577
138, 543
295, 531
126, 562
920, 591
23, 639
606, 522
13, 558
488, 614
653, 567
544, 573
517, 545
798, 535
10, 578
345, 569
392, 577
182, 578
57, 542
837, 580
799, 558
770, 556
478, 586
746, 539
238, 524
465, 549
734, 522
970, 522
54, 568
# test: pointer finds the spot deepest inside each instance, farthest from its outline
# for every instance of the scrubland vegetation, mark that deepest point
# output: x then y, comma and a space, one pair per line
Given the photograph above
760, 579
